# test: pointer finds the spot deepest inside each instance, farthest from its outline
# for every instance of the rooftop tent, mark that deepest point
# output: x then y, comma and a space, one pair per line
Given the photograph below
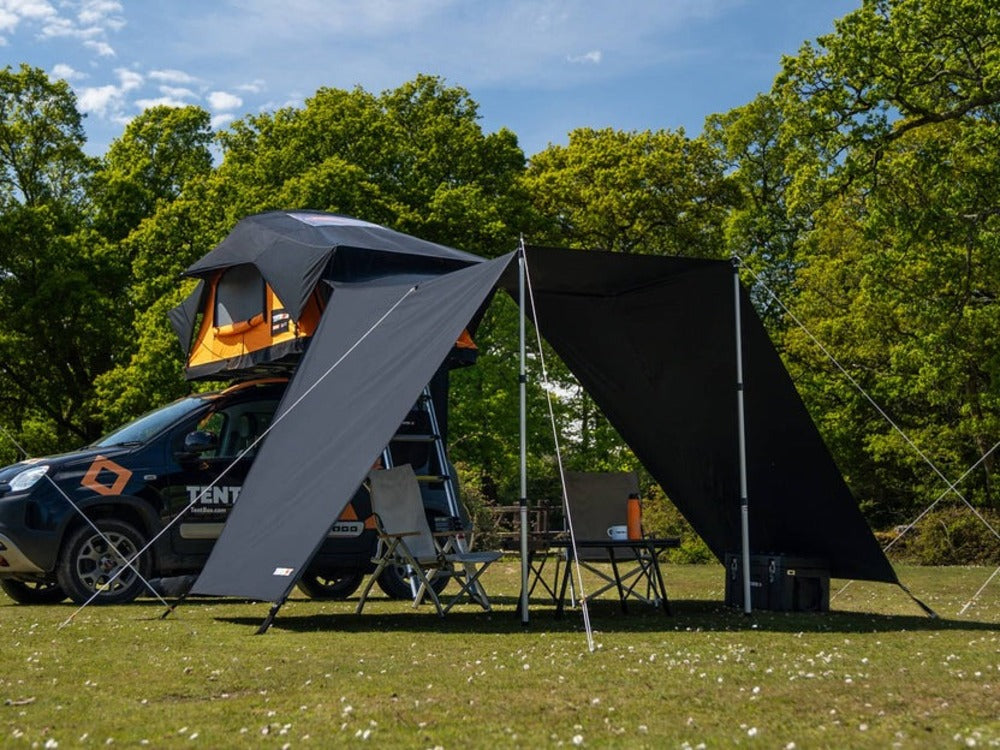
653, 340
263, 288
292, 251
377, 346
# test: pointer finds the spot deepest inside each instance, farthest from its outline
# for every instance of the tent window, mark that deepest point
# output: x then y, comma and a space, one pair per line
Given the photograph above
239, 295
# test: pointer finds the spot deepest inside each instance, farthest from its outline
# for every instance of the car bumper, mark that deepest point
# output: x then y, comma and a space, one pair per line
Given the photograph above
13, 560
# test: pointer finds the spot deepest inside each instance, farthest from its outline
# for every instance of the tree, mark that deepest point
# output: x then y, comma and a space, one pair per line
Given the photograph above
59, 281
160, 152
891, 126
41, 140
413, 158
892, 67
763, 231
659, 193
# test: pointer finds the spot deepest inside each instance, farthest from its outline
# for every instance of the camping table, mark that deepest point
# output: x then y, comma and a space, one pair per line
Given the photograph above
540, 549
645, 552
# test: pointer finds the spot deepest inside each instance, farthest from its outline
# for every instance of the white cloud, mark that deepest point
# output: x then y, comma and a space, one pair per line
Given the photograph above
12, 12
594, 57
54, 21
220, 121
254, 87
102, 101
8, 20
67, 72
222, 100
129, 79
108, 101
160, 101
178, 92
103, 49
100, 11
172, 76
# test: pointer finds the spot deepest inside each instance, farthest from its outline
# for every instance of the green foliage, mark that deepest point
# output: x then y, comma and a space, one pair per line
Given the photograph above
871, 674
413, 158
659, 193
892, 67
889, 132
660, 518
160, 152
948, 536
41, 140
63, 320
762, 230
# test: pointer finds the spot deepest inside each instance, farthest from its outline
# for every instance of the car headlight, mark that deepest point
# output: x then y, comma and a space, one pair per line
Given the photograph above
28, 478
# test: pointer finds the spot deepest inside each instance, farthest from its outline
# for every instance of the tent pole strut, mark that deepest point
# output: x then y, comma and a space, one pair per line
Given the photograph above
741, 434
522, 387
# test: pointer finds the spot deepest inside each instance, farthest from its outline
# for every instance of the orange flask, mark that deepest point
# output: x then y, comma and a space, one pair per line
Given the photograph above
634, 517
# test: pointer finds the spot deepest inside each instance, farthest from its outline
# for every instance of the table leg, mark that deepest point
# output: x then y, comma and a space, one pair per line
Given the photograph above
618, 579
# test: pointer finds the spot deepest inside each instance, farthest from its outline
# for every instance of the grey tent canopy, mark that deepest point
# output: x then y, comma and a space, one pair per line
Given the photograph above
378, 345
651, 339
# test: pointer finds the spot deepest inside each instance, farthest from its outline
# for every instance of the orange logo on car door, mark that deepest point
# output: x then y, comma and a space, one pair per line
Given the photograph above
350, 514
92, 479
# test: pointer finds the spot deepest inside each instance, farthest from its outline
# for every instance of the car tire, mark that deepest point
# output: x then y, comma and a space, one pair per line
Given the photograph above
395, 582
32, 592
317, 586
87, 564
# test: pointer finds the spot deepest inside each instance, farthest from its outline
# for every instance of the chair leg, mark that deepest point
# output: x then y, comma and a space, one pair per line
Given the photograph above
473, 593
368, 586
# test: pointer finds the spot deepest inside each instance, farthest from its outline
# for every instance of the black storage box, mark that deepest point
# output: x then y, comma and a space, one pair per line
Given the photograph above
779, 583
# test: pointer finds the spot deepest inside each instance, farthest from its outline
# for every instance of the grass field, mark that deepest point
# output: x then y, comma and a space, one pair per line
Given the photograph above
875, 672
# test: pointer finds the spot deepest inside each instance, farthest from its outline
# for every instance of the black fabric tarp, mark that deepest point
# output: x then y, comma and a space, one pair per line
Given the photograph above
293, 249
377, 346
653, 340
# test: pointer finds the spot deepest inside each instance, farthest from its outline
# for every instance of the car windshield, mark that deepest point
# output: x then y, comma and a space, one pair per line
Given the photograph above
152, 423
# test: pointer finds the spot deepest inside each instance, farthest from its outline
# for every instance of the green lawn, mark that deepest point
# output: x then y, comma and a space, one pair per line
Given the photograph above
873, 673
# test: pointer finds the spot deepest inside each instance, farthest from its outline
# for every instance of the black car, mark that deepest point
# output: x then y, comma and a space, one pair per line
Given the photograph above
189, 459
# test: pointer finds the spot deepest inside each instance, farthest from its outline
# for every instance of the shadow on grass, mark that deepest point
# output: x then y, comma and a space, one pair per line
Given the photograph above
606, 617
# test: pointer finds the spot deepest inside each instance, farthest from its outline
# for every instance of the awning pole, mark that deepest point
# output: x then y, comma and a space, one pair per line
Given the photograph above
523, 383
744, 503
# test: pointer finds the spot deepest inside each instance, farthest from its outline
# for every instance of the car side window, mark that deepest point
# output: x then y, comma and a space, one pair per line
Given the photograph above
214, 422
237, 427
244, 424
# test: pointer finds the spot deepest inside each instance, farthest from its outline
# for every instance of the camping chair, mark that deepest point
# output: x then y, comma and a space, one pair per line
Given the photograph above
597, 502
406, 539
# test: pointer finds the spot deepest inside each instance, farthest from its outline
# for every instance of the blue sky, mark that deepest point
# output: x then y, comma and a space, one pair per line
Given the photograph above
538, 67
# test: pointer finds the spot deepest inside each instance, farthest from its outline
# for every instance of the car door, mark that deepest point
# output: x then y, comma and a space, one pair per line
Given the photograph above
204, 488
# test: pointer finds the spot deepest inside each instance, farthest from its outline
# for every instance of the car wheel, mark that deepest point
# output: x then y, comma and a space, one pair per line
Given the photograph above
32, 592
89, 565
395, 582
317, 586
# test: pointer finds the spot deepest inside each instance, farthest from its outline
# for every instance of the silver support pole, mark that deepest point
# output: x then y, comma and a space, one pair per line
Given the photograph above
523, 382
744, 502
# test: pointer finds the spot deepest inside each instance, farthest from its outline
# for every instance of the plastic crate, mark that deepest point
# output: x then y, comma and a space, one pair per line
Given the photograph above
780, 583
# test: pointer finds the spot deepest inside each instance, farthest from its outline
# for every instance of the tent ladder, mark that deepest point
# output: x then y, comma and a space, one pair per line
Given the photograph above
438, 469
